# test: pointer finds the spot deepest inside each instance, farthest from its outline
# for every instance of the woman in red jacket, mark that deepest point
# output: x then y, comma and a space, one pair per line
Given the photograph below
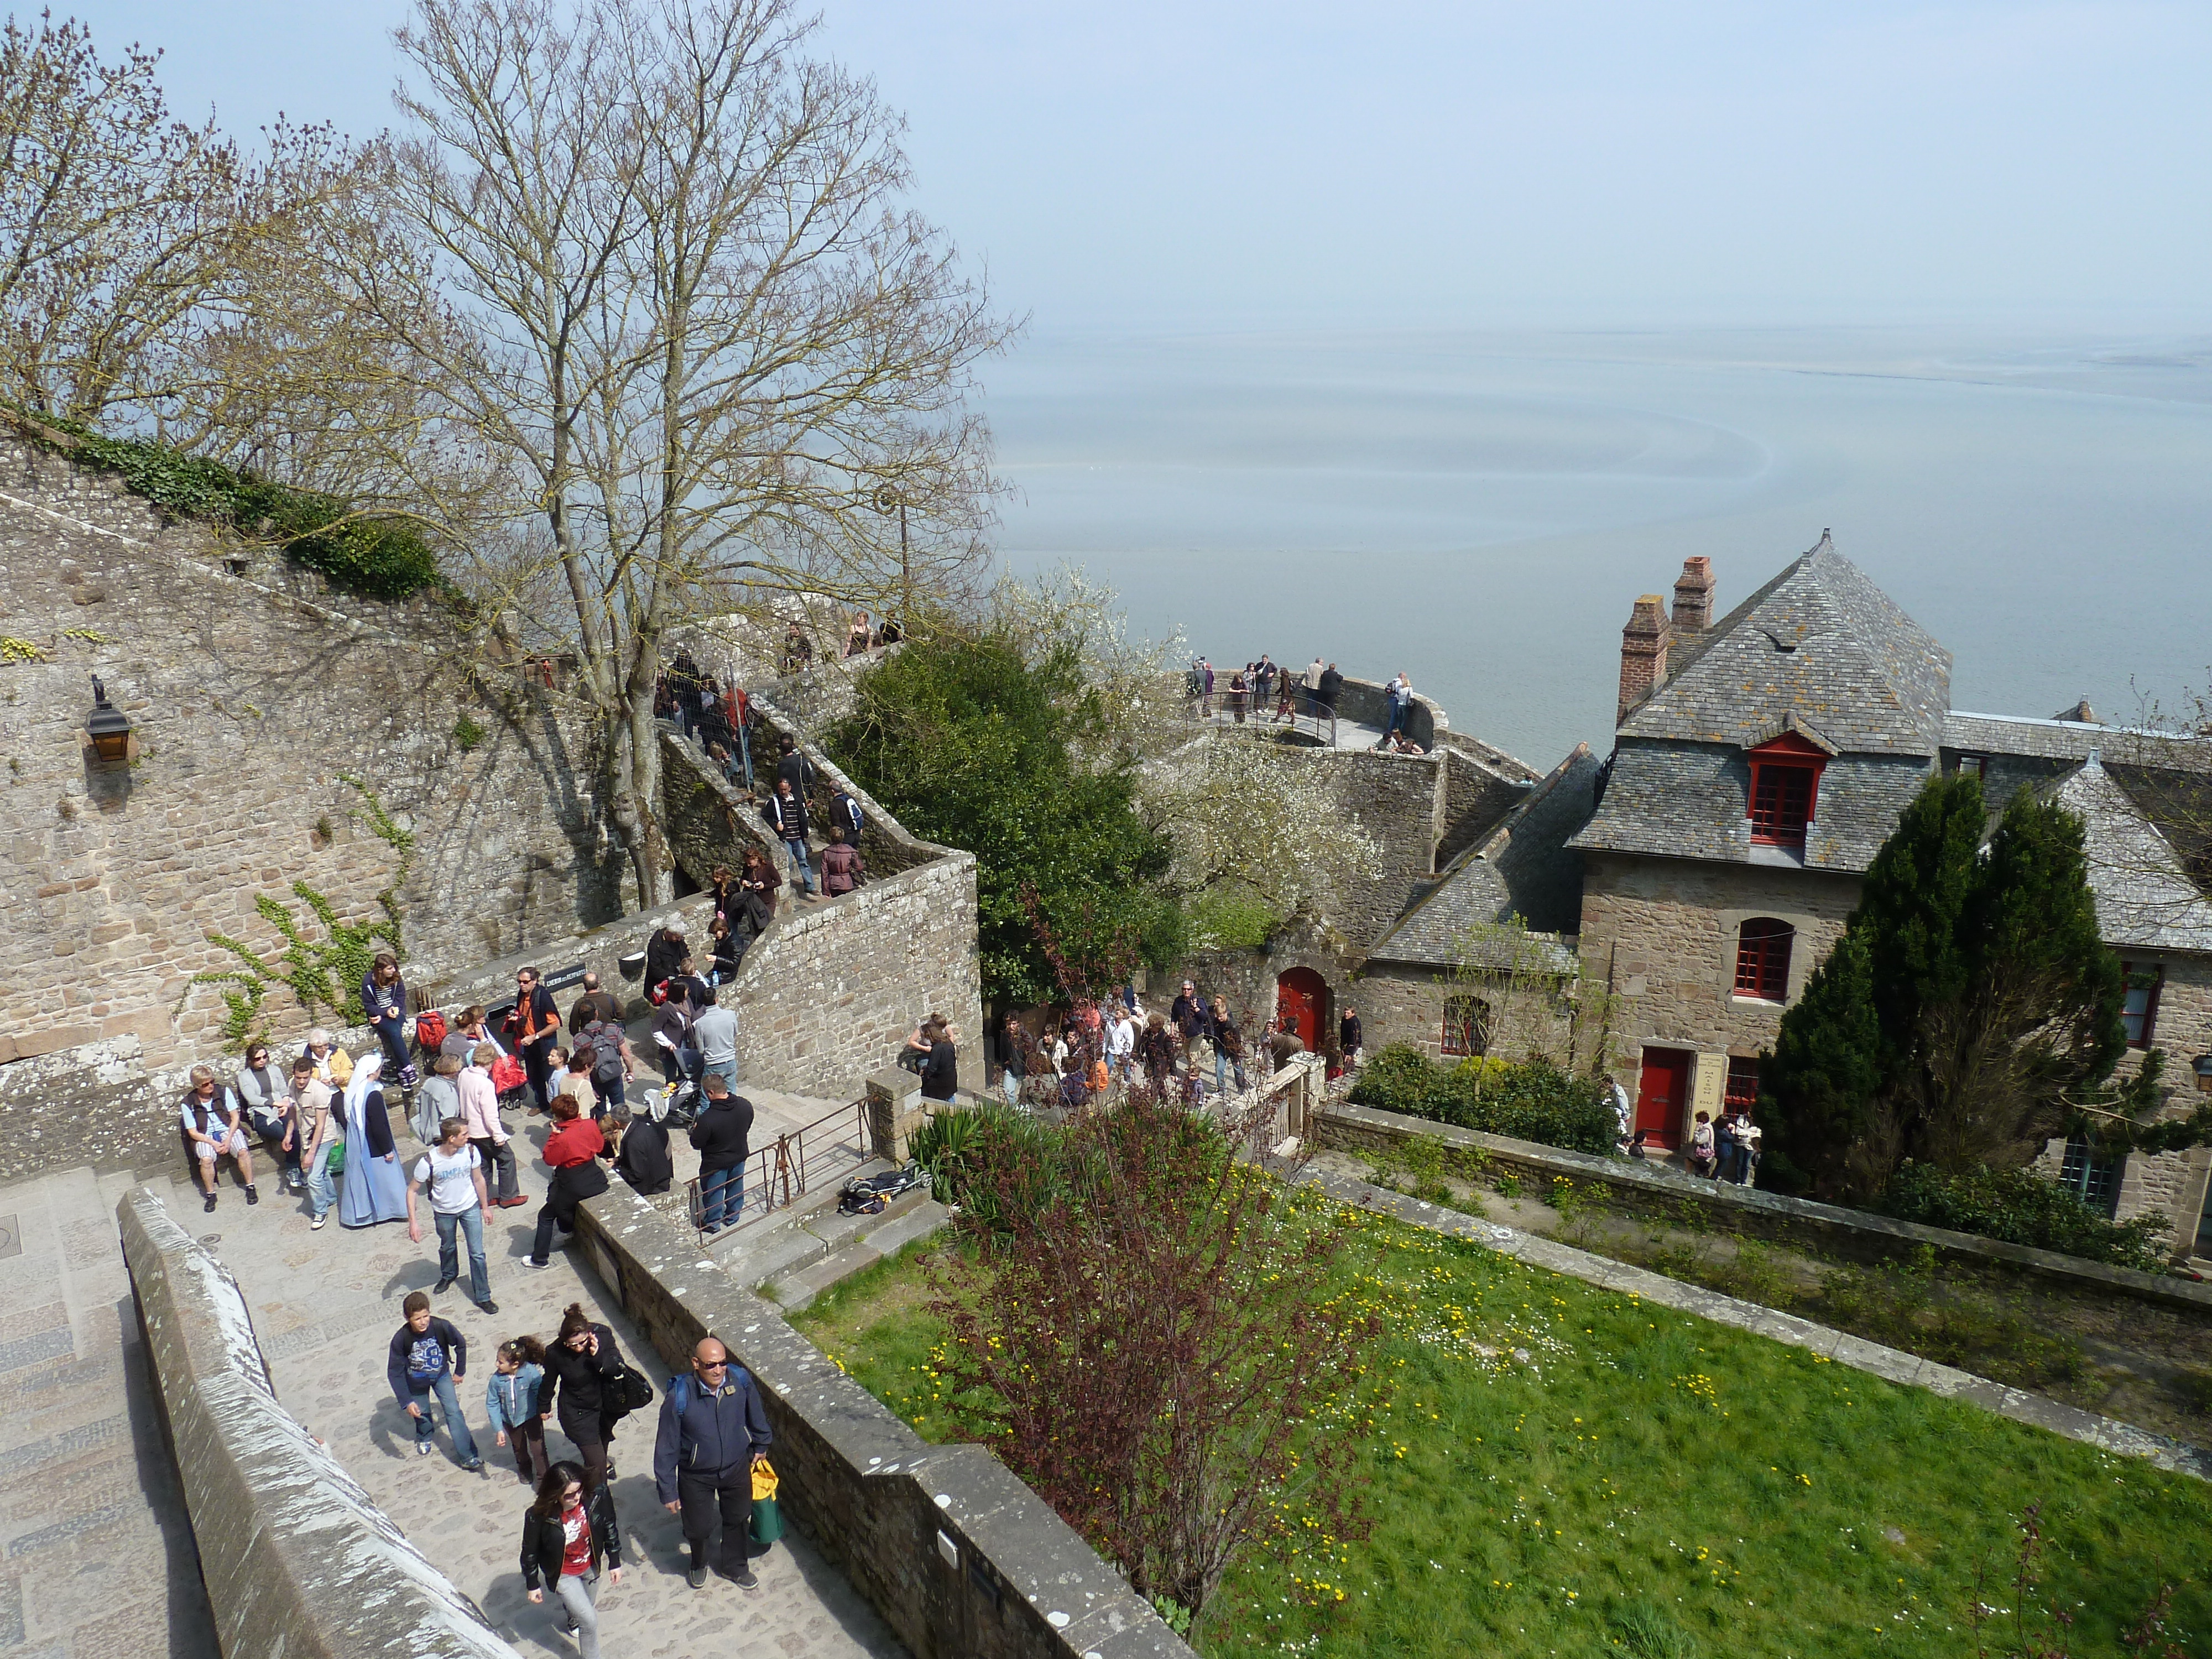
573, 1150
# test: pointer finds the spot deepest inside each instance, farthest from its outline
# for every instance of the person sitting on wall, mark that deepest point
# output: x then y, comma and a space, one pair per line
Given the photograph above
209, 1116
643, 1158
665, 952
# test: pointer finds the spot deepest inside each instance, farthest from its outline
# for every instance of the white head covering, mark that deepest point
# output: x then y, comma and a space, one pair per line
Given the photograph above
364, 1079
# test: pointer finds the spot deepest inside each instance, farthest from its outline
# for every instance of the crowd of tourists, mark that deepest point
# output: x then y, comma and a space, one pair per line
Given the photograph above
1264, 693
1073, 1061
709, 1452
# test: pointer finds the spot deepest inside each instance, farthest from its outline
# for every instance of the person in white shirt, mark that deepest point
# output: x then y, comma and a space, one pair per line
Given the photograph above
1120, 1040
454, 1171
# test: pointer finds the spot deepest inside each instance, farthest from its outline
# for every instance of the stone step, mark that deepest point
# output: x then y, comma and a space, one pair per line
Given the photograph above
884, 1236
807, 1239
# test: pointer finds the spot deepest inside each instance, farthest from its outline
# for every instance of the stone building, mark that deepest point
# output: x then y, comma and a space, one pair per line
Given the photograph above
1759, 763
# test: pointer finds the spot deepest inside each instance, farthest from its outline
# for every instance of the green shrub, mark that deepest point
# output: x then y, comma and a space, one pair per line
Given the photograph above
2019, 1207
1535, 1101
375, 558
468, 734
961, 1147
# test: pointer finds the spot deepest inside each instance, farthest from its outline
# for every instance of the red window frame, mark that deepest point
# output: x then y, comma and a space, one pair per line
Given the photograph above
1785, 790
1466, 1026
1742, 1082
2141, 1024
1762, 958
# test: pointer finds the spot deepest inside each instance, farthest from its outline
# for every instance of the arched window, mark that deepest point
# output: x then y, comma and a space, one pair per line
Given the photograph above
1762, 959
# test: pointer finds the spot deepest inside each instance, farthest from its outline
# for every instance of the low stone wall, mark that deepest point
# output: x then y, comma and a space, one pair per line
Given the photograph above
298, 1559
1853, 1235
961, 1558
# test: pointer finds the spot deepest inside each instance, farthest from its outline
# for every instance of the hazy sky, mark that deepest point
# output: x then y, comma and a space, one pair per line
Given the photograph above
1209, 161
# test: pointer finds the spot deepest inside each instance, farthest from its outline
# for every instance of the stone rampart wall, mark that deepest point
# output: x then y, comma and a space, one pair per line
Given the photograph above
250, 692
1853, 1235
297, 1557
960, 1558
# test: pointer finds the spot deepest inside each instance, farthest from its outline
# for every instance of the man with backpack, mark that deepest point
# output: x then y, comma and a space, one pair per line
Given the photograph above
845, 814
713, 1433
611, 1061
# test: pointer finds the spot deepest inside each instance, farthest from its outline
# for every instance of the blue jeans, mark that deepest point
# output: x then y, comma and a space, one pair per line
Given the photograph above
392, 1034
469, 1221
1011, 1086
721, 1197
725, 1069
464, 1444
322, 1189
798, 863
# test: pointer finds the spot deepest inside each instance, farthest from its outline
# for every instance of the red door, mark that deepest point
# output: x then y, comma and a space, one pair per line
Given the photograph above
1661, 1094
1301, 994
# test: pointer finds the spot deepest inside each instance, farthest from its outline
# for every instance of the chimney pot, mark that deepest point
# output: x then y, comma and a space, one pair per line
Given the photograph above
1642, 653
1693, 597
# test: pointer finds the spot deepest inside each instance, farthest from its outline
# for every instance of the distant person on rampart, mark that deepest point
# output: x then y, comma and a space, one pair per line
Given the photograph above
1349, 1038
1237, 691
1332, 688
856, 636
1311, 682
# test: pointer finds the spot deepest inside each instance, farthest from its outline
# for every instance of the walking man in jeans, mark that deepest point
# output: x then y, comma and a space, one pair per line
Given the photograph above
720, 1136
714, 1033
454, 1171
785, 813
713, 1431
427, 1357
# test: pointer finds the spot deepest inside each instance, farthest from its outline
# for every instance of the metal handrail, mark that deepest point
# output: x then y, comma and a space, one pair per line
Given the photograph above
776, 1174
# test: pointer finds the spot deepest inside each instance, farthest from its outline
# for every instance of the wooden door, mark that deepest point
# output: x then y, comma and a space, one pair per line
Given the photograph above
1662, 1094
1301, 994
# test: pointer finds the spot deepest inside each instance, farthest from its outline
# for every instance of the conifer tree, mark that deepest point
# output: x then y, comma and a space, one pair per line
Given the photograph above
1970, 1013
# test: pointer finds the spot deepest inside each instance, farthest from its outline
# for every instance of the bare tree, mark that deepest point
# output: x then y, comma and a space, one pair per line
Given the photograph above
708, 343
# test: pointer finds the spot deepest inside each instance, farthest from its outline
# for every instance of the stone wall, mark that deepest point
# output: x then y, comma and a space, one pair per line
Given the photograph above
960, 1558
1662, 935
2173, 1184
297, 1557
251, 688
1401, 1004
1853, 1235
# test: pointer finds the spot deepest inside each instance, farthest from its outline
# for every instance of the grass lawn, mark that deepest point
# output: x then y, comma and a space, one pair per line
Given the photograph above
1560, 1470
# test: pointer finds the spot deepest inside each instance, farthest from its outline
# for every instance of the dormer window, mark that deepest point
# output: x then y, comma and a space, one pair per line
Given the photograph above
1785, 788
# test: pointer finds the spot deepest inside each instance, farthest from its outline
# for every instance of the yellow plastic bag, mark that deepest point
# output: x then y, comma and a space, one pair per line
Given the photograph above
763, 1481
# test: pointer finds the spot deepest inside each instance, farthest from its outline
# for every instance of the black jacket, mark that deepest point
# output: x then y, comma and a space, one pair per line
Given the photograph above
579, 1375
722, 1133
664, 954
1348, 1037
543, 1539
940, 1072
443, 1339
1332, 688
643, 1160
799, 770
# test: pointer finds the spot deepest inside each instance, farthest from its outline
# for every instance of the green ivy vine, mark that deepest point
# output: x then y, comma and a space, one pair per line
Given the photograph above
324, 972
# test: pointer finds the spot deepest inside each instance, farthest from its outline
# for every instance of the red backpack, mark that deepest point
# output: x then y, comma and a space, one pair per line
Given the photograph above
429, 1030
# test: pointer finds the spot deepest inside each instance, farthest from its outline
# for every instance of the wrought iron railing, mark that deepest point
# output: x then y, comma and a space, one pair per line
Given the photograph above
776, 1175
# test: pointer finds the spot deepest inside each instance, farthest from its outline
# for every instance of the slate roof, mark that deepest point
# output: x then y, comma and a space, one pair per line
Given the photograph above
2146, 893
1523, 868
1820, 640
1693, 801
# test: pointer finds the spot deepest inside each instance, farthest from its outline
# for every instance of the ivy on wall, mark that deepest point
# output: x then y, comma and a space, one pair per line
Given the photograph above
322, 972
377, 558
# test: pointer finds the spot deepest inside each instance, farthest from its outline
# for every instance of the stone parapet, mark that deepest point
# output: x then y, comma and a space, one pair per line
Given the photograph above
961, 1558
1855, 1235
298, 1559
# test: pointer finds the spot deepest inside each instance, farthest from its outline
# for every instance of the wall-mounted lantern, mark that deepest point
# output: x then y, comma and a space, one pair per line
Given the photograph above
2203, 1067
109, 728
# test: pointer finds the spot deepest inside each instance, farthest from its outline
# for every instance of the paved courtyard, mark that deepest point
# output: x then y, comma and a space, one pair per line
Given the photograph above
88, 1506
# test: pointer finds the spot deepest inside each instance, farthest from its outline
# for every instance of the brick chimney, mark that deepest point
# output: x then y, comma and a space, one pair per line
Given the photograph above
1693, 597
1642, 653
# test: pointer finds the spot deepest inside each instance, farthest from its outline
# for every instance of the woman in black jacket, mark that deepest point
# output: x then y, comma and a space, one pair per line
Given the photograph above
941, 1071
583, 1360
566, 1532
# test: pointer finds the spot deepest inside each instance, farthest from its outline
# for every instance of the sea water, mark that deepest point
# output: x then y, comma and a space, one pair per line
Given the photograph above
1481, 511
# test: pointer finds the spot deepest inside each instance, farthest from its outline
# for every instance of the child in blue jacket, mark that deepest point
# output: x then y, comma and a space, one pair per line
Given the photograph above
514, 1399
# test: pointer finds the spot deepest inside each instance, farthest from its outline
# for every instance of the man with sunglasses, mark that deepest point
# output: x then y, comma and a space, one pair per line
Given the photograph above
713, 1431
531, 1028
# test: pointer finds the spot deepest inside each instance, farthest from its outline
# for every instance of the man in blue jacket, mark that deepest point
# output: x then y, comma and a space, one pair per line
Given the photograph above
712, 1430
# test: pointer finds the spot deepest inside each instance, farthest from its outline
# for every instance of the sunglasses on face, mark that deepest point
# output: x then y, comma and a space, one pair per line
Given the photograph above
712, 1365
